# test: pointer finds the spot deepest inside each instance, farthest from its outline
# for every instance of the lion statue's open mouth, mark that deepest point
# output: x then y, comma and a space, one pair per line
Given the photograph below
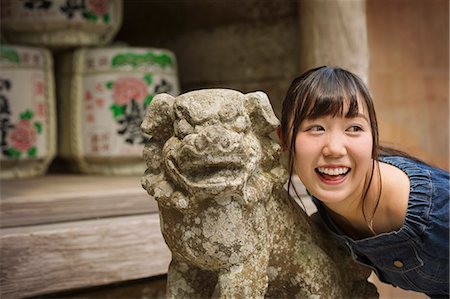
225, 164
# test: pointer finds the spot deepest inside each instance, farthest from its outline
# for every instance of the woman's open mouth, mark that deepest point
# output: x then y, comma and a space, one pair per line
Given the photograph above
332, 176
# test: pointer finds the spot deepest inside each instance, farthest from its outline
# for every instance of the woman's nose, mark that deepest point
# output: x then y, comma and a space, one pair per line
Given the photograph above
334, 146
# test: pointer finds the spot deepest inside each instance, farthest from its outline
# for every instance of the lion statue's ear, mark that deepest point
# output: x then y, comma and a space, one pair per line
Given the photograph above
261, 114
159, 117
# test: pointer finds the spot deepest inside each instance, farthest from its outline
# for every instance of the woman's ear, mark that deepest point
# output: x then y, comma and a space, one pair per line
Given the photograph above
281, 139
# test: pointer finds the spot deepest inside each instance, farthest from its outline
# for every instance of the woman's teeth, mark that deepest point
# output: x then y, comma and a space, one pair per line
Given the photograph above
333, 171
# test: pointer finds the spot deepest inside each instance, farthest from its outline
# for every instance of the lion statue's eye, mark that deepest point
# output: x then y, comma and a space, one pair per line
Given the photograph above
182, 128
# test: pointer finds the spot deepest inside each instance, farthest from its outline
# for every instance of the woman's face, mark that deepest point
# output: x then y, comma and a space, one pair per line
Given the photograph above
333, 156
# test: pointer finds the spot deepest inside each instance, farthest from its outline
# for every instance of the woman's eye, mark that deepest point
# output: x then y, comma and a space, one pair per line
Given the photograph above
355, 129
315, 129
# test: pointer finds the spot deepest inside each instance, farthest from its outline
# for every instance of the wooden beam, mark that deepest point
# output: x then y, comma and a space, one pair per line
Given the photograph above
50, 258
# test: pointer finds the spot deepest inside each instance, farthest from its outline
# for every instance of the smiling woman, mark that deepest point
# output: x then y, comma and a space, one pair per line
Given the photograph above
376, 201
330, 149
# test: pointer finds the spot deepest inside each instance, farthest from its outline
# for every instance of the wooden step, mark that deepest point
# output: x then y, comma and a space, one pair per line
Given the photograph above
50, 258
65, 232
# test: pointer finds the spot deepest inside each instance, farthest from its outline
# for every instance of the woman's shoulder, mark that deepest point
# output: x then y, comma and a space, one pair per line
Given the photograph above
428, 191
394, 196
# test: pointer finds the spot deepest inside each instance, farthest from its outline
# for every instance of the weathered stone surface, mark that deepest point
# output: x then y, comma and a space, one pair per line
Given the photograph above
230, 225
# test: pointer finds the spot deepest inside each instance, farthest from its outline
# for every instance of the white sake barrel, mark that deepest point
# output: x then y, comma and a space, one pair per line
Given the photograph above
61, 23
27, 111
104, 95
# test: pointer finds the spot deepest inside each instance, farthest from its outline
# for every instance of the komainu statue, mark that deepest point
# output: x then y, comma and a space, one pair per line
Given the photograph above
233, 232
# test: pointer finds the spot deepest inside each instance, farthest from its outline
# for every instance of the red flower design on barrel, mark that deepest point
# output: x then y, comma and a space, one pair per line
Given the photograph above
99, 7
129, 88
23, 136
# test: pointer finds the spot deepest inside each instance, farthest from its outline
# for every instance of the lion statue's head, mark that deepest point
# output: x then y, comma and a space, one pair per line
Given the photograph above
210, 143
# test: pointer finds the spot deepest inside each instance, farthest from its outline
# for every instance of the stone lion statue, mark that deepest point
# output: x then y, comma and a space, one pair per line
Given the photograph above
215, 172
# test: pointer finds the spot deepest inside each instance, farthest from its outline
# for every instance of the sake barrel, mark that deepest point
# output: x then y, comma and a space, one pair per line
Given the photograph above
27, 111
61, 23
104, 95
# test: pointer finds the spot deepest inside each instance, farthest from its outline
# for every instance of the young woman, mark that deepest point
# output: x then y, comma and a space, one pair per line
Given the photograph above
389, 209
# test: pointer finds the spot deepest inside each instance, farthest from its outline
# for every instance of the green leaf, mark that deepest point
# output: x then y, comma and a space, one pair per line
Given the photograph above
163, 59
109, 84
90, 16
106, 18
148, 100
9, 54
13, 153
148, 78
26, 115
32, 152
38, 127
117, 110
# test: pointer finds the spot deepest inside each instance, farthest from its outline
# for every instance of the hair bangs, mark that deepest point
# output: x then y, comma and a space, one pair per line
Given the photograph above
326, 91
333, 96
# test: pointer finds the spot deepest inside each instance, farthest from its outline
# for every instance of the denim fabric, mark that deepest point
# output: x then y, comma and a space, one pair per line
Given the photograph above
416, 257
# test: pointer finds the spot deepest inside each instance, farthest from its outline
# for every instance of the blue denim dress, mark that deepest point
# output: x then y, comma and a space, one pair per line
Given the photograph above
416, 257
